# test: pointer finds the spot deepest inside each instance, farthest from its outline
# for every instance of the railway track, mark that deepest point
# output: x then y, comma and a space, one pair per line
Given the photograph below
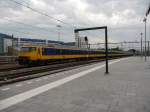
11, 76
11, 67
6, 68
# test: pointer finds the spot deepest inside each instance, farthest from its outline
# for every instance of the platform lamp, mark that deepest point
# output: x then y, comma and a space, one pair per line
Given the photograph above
147, 13
59, 27
12, 44
141, 44
144, 20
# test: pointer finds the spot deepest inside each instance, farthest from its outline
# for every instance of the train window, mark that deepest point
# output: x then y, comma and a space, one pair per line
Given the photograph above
50, 51
73, 51
68, 51
64, 51
28, 49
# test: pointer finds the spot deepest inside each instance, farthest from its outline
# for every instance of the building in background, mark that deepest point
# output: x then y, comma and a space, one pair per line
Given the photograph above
6, 43
82, 42
10, 44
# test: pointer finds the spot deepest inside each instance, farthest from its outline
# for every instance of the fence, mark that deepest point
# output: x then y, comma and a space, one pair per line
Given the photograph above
8, 59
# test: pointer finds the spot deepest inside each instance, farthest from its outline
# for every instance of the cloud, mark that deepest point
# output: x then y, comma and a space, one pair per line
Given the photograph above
123, 18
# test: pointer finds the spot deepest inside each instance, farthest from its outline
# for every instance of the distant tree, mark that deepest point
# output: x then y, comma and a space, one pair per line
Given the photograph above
132, 50
116, 49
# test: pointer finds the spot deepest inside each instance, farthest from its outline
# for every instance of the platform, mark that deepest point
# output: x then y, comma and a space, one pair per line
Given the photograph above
87, 89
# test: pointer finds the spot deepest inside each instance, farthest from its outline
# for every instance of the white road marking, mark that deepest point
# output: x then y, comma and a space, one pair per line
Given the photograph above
18, 85
30, 82
5, 89
8, 102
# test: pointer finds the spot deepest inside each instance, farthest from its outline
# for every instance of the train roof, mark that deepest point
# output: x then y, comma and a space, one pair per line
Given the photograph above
69, 47
57, 47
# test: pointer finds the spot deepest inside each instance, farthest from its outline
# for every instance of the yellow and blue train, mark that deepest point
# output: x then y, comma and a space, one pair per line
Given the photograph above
35, 54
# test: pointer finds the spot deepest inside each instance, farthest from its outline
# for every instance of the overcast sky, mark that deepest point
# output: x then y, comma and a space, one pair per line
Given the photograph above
123, 18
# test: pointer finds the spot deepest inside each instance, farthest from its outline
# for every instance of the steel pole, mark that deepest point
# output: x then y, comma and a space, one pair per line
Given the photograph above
148, 48
12, 44
59, 34
145, 41
58, 26
141, 45
106, 50
106, 41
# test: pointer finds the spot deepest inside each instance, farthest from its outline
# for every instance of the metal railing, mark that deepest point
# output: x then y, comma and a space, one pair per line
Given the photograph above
8, 59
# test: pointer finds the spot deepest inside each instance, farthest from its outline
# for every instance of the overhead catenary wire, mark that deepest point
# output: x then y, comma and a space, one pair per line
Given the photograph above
26, 33
18, 22
43, 13
32, 26
27, 3
29, 25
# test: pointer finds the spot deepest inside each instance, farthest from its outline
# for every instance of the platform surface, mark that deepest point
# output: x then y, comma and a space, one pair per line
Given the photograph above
86, 89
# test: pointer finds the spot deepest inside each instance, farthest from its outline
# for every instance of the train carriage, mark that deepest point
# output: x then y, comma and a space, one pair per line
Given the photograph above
43, 54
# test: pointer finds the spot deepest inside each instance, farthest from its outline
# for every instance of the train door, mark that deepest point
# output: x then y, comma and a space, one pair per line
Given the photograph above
38, 53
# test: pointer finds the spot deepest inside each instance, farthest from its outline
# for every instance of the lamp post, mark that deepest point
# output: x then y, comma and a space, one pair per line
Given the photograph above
58, 26
148, 49
145, 37
141, 44
12, 44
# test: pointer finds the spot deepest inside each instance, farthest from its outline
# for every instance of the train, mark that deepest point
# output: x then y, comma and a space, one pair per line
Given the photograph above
42, 54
